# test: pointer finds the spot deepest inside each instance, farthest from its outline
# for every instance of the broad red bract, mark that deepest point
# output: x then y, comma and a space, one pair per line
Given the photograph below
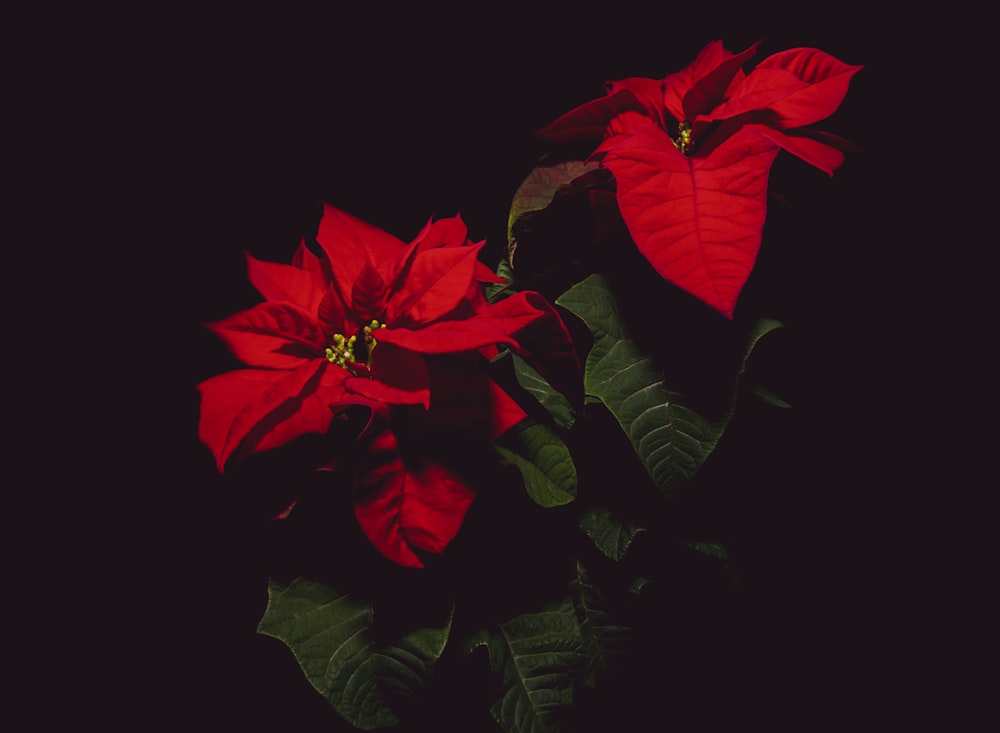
691, 154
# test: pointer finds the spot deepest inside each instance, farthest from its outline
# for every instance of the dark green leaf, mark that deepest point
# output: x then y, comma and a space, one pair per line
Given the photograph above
498, 291
543, 459
611, 535
712, 549
638, 584
330, 634
551, 399
671, 440
769, 397
537, 659
605, 641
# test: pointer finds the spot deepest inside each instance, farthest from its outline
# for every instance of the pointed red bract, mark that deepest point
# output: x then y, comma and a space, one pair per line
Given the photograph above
259, 409
272, 335
350, 244
407, 509
590, 120
437, 281
367, 320
699, 219
368, 294
285, 283
823, 82
546, 345
399, 378
691, 153
467, 400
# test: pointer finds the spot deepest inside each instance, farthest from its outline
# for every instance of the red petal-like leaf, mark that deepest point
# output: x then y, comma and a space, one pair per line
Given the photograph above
331, 312
406, 509
756, 92
824, 157
447, 232
546, 345
272, 335
450, 337
436, 282
260, 409
505, 413
285, 283
351, 244
589, 120
304, 259
368, 294
824, 81
399, 368
287, 511
495, 324
834, 141
707, 91
465, 399
400, 377
679, 83
386, 393
649, 92
697, 220
484, 274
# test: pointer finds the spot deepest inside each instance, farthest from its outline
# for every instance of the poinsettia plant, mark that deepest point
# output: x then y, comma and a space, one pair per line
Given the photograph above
455, 405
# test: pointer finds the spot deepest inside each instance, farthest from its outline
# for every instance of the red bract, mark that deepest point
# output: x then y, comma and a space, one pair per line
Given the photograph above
372, 321
691, 154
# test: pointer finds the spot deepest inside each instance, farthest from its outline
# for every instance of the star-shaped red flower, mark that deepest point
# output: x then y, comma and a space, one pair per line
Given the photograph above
691, 154
372, 321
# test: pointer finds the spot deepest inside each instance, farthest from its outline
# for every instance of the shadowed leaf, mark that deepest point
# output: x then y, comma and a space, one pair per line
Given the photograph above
605, 641
496, 291
541, 186
611, 535
330, 634
551, 399
671, 440
544, 461
537, 659
711, 549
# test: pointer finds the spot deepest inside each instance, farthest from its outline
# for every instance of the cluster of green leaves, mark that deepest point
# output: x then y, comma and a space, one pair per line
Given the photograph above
538, 659
542, 635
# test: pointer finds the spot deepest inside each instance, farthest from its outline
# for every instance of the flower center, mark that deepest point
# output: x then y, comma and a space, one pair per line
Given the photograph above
683, 140
370, 341
341, 349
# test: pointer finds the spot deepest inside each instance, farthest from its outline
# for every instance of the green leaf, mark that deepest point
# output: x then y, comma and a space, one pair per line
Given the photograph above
499, 291
605, 641
331, 635
769, 397
543, 459
711, 549
637, 585
611, 535
671, 440
551, 399
537, 659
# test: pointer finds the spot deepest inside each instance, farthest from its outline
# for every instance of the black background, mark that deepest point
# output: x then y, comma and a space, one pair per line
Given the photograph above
221, 132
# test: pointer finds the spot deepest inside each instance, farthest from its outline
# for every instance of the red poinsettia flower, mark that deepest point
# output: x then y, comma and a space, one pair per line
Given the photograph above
369, 321
691, 154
